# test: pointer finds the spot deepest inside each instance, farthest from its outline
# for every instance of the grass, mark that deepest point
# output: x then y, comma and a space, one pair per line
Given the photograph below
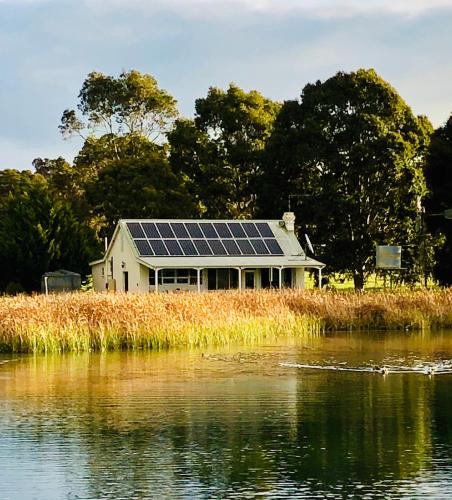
101, 322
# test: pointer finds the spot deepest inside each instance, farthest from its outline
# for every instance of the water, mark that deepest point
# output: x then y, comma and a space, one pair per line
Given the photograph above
244, 422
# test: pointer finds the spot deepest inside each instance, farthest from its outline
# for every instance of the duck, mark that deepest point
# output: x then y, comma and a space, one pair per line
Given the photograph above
381, 369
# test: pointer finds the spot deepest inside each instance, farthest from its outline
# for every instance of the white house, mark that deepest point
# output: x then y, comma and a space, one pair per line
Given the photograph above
169, 255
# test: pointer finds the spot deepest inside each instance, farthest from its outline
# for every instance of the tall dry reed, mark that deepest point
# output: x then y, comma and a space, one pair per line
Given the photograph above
89, 321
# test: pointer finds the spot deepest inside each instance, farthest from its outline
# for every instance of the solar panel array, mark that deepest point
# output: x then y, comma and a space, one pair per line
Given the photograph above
203, 238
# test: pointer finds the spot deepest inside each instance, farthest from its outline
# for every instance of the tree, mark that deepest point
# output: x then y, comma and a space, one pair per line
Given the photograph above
439, 181
141, 187
354, 153
60, 176
121, 169
219, 152
12, 182
133, 103
39, 233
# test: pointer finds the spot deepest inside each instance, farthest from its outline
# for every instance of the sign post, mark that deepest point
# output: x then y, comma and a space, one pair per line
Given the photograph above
388, 258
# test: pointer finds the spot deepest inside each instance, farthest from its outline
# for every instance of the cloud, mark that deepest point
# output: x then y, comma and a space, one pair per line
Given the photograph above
201, 9
219, 8
311, 8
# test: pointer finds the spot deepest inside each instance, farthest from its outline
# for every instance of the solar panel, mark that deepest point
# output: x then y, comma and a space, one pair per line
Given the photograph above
265, 230
250, 230
150, 230
237, 230
179, 230
165, 229
173, 247
135, 230
143, 247
260, 247
217, 247
208, 230
188, 247
193, 230
231, 247
273, 246
158, 247
204, 238
202, 247
245, 247
222, 230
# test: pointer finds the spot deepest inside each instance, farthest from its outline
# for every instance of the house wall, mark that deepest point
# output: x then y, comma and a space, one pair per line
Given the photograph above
144, 280
99, 279
124, 260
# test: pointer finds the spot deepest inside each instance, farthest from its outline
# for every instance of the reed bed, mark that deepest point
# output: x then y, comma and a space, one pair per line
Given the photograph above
101, 322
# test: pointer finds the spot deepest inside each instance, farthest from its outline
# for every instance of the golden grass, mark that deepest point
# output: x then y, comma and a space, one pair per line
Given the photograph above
89, 321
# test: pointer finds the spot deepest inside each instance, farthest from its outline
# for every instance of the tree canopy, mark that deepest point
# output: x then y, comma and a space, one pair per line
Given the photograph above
220, 151
141, 186
354, 152
39, 232
122, 168
351, 156
132, 103
439, 180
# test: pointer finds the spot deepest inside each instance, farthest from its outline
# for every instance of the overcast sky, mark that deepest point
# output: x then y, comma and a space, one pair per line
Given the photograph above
47, 47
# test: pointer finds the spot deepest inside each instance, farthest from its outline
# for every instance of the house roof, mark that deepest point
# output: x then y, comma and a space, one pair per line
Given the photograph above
257, 243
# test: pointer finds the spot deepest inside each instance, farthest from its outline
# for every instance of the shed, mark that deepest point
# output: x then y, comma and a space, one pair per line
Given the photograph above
60, 281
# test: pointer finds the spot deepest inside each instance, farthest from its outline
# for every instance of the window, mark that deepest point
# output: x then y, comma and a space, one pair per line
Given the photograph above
168, 276
175, 277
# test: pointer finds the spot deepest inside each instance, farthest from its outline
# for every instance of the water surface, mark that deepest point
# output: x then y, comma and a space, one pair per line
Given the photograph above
239, 422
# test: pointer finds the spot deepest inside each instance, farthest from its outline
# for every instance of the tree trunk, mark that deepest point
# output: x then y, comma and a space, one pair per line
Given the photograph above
358, 280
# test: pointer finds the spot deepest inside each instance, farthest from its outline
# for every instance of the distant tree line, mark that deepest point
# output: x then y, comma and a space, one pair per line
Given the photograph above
360, 168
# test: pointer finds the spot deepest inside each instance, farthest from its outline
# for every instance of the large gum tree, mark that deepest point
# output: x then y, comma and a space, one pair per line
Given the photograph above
122, 169
219, 153
352, 153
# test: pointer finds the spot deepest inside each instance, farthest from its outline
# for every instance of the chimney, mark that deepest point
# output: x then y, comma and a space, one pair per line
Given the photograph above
289, 221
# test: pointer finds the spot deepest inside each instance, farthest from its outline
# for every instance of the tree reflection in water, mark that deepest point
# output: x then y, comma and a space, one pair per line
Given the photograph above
179, 424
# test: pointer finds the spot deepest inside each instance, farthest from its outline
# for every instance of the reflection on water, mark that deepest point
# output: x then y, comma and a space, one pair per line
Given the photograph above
233, 423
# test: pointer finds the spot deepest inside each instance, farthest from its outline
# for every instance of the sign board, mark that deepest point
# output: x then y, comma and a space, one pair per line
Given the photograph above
389, 257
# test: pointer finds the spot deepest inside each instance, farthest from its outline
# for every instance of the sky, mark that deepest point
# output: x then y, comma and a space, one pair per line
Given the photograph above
47, 48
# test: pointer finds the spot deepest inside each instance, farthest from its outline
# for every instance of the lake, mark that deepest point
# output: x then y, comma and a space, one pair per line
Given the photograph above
310, 419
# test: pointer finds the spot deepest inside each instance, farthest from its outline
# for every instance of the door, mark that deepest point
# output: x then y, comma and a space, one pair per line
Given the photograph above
222, 279
125, 275
249, 280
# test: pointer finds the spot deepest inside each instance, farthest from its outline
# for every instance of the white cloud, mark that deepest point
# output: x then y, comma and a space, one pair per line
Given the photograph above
220, 8
314, 8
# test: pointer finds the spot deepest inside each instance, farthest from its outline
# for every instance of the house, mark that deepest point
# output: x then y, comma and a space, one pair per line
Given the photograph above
169, 255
